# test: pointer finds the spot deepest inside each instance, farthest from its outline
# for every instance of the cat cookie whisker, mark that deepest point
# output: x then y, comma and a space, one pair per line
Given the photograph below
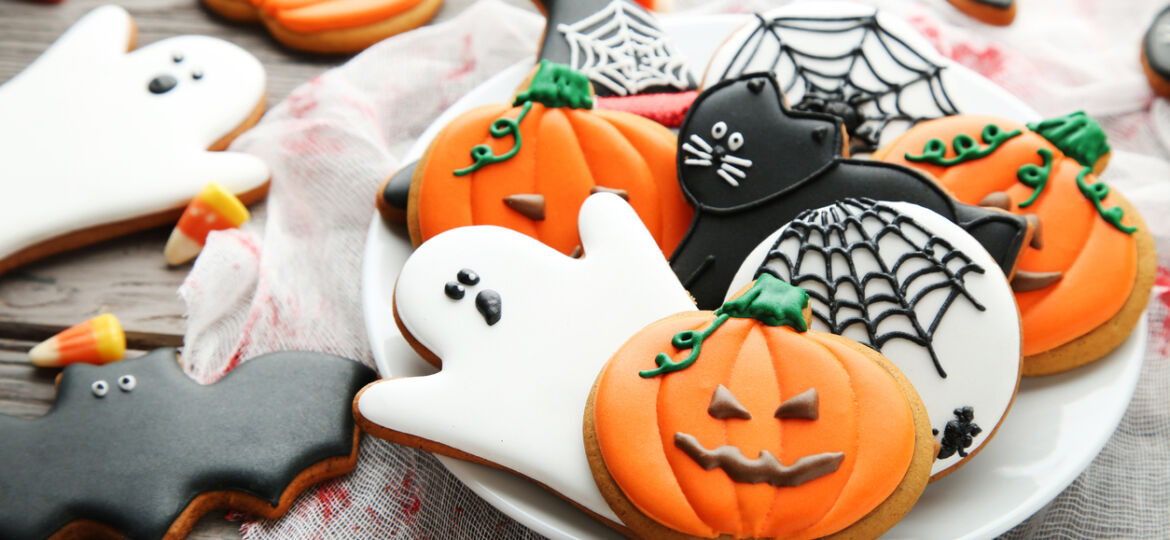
737, 161
695, 138
699, 162
731, 169
723, 174
698, 153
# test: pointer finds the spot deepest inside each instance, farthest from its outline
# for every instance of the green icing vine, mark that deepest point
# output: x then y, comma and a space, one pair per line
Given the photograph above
965, 147
1036, 176
554, 85
1097, 193
770, 301
1077, 135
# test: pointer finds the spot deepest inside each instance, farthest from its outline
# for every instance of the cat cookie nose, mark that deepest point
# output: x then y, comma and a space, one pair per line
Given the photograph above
719, 151
162, 84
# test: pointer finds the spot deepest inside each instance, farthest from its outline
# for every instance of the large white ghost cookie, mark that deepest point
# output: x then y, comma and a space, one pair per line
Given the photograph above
97, 141
522, 331
911, 284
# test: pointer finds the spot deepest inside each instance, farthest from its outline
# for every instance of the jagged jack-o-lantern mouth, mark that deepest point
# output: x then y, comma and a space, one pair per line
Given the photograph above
766, 468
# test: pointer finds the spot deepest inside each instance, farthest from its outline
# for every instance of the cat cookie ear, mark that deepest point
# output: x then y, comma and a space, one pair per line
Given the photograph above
100, 36
610, 228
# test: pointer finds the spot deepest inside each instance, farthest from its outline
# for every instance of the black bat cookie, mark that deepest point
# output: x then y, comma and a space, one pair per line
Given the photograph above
750, 165
138, 448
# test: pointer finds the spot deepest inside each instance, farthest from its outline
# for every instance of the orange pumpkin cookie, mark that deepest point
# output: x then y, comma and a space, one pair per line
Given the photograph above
329, 26
1084, 282
743, 423
529, 166
997, 12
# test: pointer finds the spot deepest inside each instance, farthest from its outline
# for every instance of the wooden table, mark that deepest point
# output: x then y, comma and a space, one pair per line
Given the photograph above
125, 276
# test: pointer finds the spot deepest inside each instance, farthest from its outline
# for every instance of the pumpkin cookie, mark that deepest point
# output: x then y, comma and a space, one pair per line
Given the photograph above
329, 26
743, 423
1084, 281
528, 167
917, 288
997, 12
1156, 53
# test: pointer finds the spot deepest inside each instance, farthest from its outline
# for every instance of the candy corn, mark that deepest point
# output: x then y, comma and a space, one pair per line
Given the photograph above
214, 209
97, 341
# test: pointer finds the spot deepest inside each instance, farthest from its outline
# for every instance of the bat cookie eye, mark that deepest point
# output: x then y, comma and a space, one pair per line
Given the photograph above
99, 388
127, 382
735, 141
719, 130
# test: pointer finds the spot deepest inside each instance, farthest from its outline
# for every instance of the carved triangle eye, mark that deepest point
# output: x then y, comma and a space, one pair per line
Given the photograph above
803, 406
724, 405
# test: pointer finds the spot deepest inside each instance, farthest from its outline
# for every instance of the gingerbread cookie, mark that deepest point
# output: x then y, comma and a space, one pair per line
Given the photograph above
1085, 285
329, 26
1156, 52
914, 286
530, 165
135, 150
633, 64
997, 12
750, 165
742, 423
136, 448
521, 332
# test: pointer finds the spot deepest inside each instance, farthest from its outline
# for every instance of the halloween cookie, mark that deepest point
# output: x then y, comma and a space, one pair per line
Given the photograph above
742, 423
750, 165
135, 150
914, 286
329, 26
633, 64
1084, 281
521, 332
997, 12
529, 166
138, 449
1156, 53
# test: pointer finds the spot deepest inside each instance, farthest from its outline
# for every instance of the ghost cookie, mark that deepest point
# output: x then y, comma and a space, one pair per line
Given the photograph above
997, 12
916, 287
742, 423
135, 149
530, 165
521, 332
750, 165
1156, 52
138, 449
1083, 283
633, 64
329, 26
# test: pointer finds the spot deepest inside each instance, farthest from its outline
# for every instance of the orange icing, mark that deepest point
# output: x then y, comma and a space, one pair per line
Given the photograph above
563, 154
863, 413
1099, 262
322, 15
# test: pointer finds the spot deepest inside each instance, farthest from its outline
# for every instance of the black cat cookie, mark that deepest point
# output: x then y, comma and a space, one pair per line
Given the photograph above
749, 165
138, 449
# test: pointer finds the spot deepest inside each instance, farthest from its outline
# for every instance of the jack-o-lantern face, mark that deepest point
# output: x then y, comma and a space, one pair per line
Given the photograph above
749, 425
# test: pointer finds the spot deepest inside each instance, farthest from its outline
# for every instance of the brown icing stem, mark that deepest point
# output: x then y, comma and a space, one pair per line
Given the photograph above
724, 405
577, 252
997, 199
1034, 220
802, 406
616, 191
529, 205
764, 469
1025, 281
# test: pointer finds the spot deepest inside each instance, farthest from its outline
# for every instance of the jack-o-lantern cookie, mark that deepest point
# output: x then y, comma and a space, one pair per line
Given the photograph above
521, 332
1084, 282
917, 288
329, 26
750, 165
633, 64
528, 167
100, 140
743, 423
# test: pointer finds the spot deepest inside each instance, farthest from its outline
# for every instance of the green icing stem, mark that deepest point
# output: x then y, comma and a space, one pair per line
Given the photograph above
1077, 135
770, 301
502, 127
965, 147
1036, 176
1097, 193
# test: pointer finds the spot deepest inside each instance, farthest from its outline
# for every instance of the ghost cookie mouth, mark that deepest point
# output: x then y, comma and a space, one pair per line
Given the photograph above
765, 469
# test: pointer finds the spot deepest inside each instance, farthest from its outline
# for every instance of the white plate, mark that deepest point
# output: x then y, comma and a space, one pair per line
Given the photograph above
1057, 425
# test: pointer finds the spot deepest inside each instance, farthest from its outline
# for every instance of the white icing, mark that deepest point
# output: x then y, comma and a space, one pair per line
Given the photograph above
83, 142
622, 49
979, 350
514, 393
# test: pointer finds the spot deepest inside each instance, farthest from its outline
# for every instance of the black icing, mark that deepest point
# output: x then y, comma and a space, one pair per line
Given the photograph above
1157, 44
162, 84
997, 4
959, 434
454, 290
397, 191
792, 171
134, 460
467, 276
556, 47
197, 74
489, 304
177, 57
